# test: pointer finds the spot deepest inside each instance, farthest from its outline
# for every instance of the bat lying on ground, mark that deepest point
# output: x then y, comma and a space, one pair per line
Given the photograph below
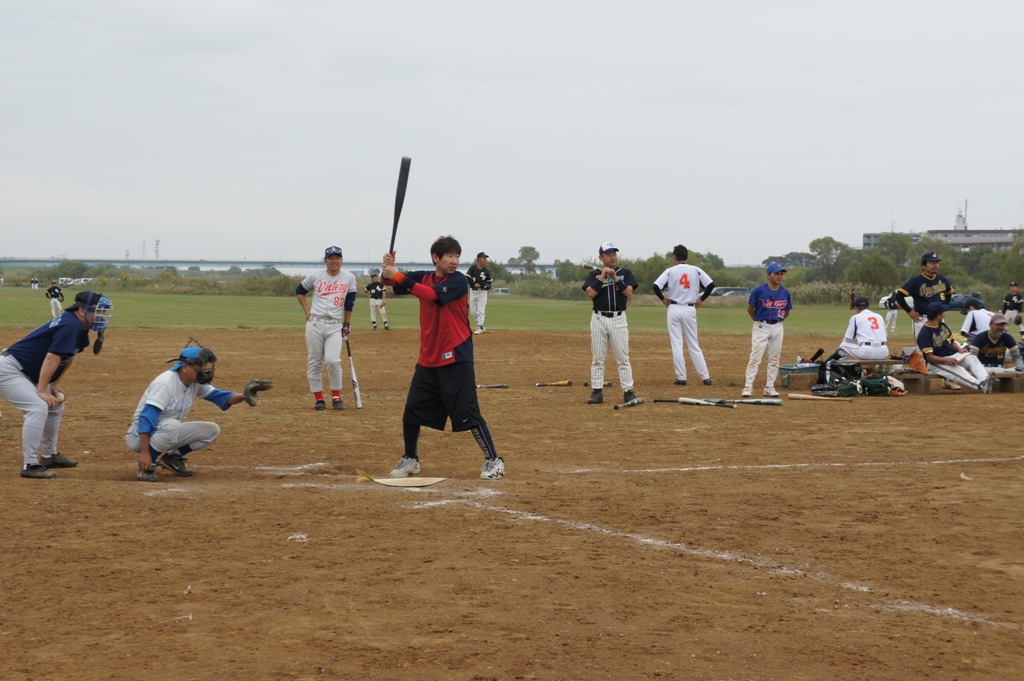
493, 385
607, 384
701, 403
760, 400
558, 384
631, 403
797, 396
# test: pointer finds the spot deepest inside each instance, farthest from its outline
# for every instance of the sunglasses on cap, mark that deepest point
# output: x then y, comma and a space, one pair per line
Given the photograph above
332, 250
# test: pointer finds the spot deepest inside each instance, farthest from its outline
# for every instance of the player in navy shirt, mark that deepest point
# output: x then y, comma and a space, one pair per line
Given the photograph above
30, 374
992, 345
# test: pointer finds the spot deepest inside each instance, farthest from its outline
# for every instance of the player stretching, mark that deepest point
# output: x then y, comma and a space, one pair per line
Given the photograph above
378, 300
768, 306
444, 383
683, 283
334, 295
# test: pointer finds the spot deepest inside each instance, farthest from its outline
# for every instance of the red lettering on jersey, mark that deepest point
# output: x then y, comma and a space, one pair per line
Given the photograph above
874, 322
325, 288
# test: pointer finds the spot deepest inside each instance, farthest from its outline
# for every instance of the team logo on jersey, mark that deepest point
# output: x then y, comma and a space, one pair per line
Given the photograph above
327, 288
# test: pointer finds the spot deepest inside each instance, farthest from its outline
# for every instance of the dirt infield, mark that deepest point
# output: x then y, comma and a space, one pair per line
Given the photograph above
878, 539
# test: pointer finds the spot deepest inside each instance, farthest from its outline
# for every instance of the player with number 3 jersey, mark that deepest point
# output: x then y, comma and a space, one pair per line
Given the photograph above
328, 323
683, 283
865, 334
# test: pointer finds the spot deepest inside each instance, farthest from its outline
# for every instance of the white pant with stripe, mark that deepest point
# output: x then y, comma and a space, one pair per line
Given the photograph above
478, 306
763, 337
682, 326
42, 424
614, 330
970, 372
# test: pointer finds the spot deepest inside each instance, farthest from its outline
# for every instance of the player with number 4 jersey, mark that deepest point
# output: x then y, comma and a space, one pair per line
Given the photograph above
683, 284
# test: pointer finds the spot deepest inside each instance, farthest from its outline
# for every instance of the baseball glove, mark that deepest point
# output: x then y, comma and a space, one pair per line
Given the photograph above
253, 388
1016, 320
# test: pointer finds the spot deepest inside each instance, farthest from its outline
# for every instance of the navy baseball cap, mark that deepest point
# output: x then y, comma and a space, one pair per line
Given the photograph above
607, 247
774, 267
930, 257
935, 309
861, 302
332, 250
1013, 283
481, 254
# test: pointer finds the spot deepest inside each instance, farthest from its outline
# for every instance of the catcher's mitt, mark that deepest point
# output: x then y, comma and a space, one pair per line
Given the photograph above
1016, 320
253, 388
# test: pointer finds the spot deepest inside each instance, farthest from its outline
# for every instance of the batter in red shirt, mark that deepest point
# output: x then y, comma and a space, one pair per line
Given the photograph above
444, 383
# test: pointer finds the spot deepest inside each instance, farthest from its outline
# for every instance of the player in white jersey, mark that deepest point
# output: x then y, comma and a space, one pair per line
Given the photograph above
328, 324
683, 283
865, 335
978, 318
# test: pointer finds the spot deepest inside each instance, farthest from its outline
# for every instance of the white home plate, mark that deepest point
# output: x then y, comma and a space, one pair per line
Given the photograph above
398, 482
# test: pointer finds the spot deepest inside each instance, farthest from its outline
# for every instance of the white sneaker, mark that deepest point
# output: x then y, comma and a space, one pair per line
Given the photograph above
745, 393
770, 392
493, 469
406, 466
479, 331
989, 386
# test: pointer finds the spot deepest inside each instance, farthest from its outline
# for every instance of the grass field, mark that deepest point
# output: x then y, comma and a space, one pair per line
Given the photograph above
22, 308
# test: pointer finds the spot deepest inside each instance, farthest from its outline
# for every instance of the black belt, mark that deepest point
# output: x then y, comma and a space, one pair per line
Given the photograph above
765, 321
609, 314
672, 302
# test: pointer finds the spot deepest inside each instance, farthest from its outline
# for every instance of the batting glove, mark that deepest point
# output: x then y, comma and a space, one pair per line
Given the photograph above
346, 329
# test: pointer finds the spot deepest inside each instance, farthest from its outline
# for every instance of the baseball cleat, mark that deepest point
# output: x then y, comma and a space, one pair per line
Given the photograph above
745, 393
628, 396
406, 466
386, 327
596, 396
148, 476
175, 464
493, 469
38, 471
337, 404
707, 381
479, 331
58, 460
680, 381
770, 392
320, 405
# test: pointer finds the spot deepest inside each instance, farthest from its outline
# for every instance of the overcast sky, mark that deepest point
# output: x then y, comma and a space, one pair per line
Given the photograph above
269, 130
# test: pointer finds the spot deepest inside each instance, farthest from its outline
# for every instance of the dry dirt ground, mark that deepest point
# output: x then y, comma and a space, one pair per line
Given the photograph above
878, 539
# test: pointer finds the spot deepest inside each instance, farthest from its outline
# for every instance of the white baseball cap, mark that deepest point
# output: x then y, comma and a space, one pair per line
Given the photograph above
607, 247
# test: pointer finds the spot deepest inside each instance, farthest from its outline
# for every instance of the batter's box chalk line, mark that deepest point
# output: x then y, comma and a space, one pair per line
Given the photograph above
783, 466
731, 557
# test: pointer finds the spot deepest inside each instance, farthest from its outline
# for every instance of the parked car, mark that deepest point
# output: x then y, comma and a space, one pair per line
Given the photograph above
738, 291
958, 301
500, 291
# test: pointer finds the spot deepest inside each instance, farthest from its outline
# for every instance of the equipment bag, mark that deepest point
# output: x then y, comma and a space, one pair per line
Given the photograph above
870, 387
831, 371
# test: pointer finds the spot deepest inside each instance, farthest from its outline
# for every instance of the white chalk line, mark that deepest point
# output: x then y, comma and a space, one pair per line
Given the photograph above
732, 557
779, 466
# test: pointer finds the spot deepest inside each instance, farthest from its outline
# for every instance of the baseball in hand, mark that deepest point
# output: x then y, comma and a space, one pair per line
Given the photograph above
60, 398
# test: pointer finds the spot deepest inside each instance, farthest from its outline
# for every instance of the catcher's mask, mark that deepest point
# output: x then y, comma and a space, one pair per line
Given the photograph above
198, 357
102, 308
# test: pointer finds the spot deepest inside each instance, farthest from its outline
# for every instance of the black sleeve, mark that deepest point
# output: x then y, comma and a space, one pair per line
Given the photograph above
657, 292
707, 291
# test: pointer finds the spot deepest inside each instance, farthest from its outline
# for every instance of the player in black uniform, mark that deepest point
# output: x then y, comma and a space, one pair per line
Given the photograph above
926, 288
1013, 305
56, 297
946, 357
480, 281
377, 293
990, 346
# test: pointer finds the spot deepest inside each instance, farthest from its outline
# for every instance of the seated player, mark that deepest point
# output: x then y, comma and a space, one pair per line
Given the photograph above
865, 335
978, 318
991, 347
947, 358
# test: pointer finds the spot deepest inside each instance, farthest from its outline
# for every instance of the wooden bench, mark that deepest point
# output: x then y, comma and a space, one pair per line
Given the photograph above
919, 384
1010, 382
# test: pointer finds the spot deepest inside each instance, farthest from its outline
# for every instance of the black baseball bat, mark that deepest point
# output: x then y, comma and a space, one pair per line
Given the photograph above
403, 182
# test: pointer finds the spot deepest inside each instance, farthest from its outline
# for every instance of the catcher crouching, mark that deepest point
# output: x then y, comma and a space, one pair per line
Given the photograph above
158, 432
